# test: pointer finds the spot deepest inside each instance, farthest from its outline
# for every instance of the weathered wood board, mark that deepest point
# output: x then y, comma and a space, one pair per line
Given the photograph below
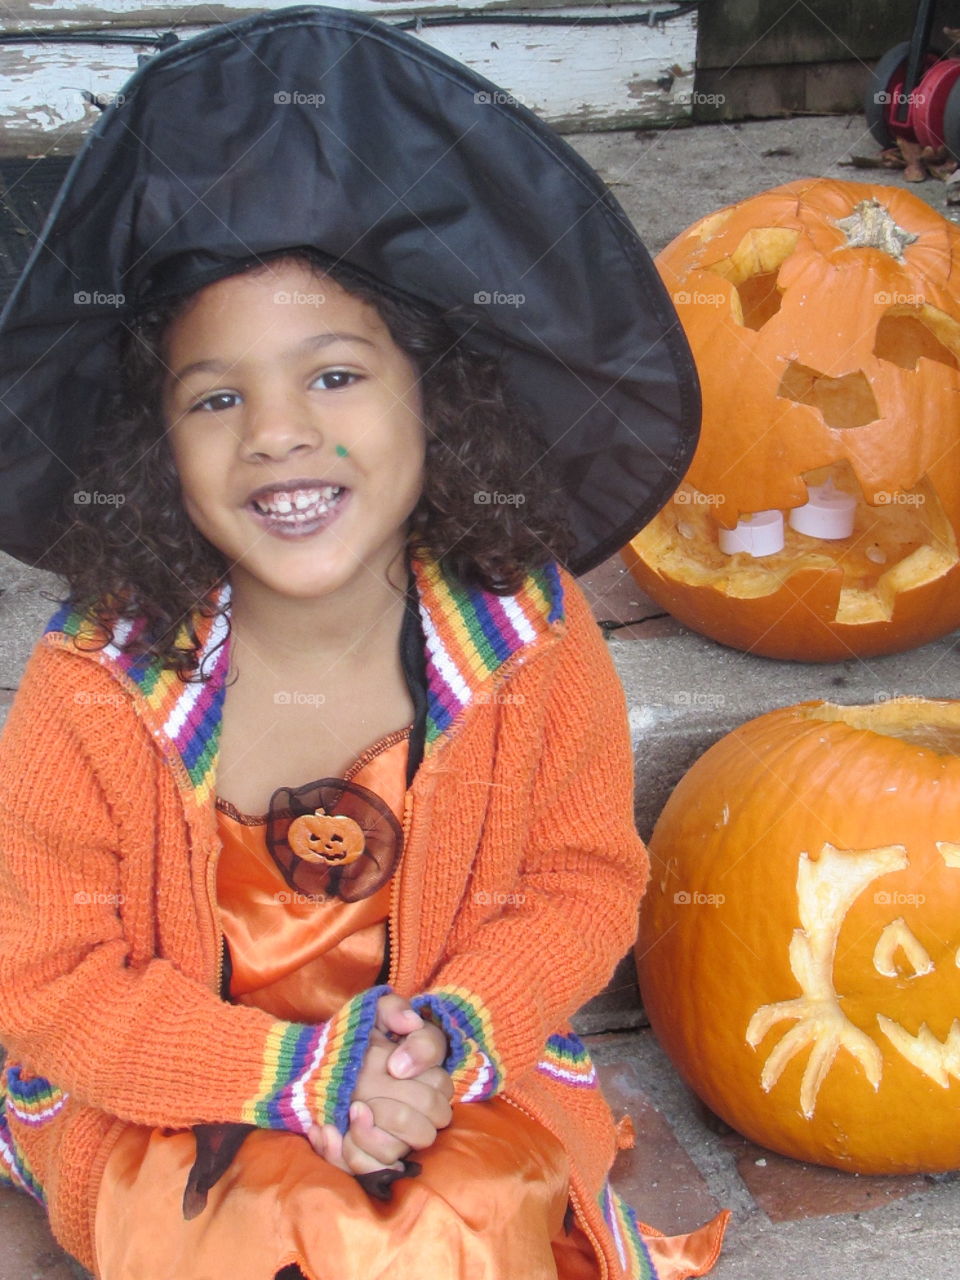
577, 77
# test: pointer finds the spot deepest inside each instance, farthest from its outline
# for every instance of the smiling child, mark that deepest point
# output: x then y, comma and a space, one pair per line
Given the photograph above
316, 800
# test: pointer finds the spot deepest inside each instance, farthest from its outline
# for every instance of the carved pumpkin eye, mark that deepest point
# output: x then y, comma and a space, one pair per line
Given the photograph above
323, 837
900, 953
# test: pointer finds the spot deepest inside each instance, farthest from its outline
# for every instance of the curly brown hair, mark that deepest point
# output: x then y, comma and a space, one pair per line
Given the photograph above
137, 554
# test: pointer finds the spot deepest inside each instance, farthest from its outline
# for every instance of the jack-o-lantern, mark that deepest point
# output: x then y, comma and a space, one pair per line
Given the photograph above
323, 837
824, 319
799, 945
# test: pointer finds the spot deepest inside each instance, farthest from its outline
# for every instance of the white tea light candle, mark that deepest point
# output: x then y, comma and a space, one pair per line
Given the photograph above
758, 534
828, 513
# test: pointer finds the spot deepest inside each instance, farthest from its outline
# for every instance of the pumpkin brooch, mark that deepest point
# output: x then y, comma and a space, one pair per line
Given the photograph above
333, 838
326, 837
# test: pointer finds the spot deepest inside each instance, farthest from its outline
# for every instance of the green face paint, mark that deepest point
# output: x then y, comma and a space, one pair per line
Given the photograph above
341, 451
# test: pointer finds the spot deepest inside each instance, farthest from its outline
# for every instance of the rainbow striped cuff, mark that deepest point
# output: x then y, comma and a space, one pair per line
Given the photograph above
565, 1058
33, 1100
15, 1170
627, 1237
310, 1072
472, 1062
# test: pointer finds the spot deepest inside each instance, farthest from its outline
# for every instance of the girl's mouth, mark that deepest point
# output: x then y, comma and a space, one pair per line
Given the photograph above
298, 512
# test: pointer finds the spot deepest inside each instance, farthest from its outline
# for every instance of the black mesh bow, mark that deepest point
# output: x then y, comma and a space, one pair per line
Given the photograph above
332, 798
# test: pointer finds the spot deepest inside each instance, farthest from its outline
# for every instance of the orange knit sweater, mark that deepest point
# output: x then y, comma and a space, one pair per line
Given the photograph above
516, 894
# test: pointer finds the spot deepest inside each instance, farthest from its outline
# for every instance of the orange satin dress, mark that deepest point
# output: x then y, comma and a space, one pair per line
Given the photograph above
492, 1196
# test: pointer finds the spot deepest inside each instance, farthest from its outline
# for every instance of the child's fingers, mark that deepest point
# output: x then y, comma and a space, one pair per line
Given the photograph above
404, 1128
327, 1141
429, 1093
396, 1016
439, 1080
419, 1051
366, 1147
358, 1161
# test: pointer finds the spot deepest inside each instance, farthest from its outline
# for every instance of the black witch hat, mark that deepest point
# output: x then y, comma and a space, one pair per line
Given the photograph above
321, 127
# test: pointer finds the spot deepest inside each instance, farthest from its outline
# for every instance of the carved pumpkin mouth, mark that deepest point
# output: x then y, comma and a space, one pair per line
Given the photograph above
897, 545
914, 961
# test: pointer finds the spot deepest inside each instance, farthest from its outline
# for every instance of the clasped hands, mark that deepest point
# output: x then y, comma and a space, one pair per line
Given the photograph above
402, 1096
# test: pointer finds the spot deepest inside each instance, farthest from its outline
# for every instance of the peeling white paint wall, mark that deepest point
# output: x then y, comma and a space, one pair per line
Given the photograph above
575, 77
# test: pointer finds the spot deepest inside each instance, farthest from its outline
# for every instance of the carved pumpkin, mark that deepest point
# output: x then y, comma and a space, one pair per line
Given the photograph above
798, 948
824, 319
324, 837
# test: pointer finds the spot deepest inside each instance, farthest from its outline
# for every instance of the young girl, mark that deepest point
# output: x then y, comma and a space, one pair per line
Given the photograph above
315, 813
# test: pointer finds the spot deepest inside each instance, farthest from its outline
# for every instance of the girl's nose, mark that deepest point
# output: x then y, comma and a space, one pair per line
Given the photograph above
275, 428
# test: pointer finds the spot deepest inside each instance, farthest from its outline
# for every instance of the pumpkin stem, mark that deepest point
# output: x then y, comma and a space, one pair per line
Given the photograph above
871, 226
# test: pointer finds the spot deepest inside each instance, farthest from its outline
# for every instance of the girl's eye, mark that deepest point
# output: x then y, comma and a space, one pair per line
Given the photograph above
332, 379
208, 405
338, 378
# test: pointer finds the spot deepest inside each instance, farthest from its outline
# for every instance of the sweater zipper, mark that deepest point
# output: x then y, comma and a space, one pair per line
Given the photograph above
393, 921
212, 859
582, 1219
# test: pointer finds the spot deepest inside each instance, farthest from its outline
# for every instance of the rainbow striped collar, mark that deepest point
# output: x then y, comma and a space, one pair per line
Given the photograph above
470, 636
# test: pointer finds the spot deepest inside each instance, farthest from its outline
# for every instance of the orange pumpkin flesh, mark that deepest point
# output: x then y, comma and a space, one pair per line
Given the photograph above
799, 948
827, 339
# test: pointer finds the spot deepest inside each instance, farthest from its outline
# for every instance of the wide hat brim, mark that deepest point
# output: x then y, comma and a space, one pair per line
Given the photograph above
318, 126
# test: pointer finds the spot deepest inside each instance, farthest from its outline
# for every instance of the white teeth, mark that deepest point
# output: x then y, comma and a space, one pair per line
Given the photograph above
299, 505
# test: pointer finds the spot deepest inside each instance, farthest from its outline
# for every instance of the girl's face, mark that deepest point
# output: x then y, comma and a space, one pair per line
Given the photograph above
296, 427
